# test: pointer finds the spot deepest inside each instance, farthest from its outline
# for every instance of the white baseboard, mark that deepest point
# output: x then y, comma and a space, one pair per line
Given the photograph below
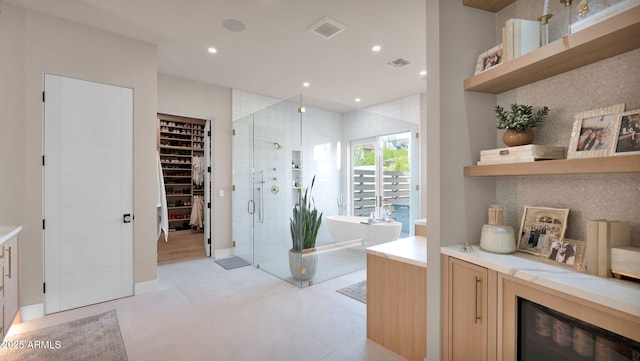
31, 312
145, 287
223, 253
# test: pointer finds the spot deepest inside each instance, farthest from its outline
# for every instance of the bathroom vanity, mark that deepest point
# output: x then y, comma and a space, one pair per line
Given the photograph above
9, 281
397, 296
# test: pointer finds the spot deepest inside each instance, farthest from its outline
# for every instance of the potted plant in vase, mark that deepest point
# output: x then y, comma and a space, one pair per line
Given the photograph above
304, 226
519, 123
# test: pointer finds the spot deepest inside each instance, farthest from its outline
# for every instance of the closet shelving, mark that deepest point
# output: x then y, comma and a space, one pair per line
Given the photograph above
179, 140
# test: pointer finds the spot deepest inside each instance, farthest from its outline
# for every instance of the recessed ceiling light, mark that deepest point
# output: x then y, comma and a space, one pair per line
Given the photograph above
376, 48
423, 73
357, 100
212, 50
306, 84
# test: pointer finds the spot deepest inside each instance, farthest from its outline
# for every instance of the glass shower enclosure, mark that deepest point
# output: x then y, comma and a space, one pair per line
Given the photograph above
278, 153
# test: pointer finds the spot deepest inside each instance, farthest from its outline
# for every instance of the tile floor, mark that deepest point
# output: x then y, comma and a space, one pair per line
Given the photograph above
203, 312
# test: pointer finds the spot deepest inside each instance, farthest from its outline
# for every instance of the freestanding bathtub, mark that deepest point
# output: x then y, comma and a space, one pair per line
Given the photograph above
353, 228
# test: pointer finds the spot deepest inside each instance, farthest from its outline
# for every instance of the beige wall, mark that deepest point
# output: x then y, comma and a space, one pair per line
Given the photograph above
12, 116
459, 125
50, 45
198, 100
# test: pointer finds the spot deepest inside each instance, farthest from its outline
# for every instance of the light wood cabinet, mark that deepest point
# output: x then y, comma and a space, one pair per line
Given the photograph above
9, 283
396, 306
468, 311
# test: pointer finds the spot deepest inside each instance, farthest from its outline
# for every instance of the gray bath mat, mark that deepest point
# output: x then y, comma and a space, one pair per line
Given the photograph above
357, 291
232, 262
95, 338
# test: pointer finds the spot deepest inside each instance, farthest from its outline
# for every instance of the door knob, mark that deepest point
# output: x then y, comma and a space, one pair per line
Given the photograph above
126, 218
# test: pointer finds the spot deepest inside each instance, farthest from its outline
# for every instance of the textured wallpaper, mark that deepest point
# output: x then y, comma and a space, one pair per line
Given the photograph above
592, 196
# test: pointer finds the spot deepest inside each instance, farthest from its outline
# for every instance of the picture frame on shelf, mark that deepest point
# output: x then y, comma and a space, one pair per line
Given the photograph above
540, 227
627, 139
568, 252
489, 59
593, 132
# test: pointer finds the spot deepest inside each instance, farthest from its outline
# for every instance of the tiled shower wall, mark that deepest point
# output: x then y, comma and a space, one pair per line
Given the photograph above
592, 196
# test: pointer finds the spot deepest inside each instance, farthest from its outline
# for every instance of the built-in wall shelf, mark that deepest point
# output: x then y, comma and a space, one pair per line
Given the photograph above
617, 164
489, 5
606, 39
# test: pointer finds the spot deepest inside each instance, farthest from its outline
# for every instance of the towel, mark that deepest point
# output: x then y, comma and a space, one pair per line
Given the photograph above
161, 204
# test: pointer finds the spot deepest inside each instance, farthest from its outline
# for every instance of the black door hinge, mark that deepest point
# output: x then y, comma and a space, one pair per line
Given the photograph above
208, 133
208, 169
43, 160
44, 287
43, 96
209, 205
43, 224
208, 240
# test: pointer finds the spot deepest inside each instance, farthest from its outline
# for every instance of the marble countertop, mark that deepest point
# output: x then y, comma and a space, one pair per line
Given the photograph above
412, 250
7, 232
620, 295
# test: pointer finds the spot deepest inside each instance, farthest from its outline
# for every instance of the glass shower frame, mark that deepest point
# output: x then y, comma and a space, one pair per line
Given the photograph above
277, 151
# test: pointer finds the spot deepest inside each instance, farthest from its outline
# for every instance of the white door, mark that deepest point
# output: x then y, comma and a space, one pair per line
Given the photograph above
88, 192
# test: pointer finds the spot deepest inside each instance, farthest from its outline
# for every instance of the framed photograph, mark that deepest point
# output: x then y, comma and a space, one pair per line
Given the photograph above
540, 227
568, 252
594, 132
489, 59
627, 140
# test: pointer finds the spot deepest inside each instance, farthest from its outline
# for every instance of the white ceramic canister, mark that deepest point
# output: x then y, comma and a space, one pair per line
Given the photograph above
497, 239
543, 323
583, 342
562, 333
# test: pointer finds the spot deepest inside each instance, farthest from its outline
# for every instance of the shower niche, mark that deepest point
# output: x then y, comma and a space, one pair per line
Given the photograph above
296, 174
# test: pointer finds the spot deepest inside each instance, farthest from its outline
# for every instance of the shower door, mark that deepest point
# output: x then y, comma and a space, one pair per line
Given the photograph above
242, 196
263, 145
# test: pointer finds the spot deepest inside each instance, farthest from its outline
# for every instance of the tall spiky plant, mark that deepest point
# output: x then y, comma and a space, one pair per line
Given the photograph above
305, 222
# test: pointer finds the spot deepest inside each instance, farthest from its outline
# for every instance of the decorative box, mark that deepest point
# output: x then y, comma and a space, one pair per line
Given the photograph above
520, 154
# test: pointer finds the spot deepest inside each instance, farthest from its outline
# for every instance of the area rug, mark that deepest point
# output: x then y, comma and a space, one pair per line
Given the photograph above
357, 291
95, 338
232, 262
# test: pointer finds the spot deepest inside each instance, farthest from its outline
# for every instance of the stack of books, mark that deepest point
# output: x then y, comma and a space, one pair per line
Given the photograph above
519, 37
520, 154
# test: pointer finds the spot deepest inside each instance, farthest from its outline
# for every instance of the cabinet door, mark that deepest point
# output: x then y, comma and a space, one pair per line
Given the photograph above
467, 315
10, 281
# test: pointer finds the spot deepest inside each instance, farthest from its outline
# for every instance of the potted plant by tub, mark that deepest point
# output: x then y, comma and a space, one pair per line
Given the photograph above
519, 123
304, 226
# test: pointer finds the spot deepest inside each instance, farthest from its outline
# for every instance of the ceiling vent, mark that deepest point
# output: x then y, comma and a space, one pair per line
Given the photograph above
327, 28
398, 63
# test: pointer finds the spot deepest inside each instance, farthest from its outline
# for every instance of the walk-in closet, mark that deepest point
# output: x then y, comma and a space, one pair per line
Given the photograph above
182, 142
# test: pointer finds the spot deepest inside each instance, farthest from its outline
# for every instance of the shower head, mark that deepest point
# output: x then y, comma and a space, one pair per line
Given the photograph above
277, 145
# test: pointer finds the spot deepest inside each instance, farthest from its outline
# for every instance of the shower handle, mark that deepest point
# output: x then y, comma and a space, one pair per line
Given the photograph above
251, 207
261, 209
